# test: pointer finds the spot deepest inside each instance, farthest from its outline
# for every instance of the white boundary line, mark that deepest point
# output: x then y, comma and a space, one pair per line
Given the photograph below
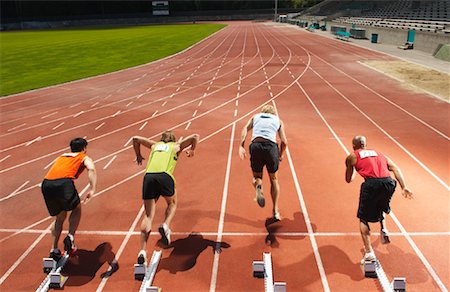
223, 207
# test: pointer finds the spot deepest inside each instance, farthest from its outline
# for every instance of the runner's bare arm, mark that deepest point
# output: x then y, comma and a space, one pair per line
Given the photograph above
406, 192
92, 175
350, 168
283, 139
190, 141
245, 129
137, 142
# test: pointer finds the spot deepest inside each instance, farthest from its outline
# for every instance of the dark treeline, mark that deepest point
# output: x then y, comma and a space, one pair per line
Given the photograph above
35, 10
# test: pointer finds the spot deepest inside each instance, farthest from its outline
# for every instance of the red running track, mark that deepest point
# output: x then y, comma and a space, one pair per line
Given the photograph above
325, 97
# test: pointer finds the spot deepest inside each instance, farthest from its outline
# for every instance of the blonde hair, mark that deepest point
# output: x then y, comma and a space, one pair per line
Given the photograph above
168, 136
268, 109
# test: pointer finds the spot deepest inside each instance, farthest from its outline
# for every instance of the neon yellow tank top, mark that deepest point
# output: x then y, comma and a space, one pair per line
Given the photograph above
163, 158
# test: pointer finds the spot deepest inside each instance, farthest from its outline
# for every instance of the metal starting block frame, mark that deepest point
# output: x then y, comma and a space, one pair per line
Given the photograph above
146, 274
373, 269
263, 269
54, 278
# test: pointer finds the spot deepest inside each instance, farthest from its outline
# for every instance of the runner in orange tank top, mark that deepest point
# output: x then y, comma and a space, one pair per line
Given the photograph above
61, 196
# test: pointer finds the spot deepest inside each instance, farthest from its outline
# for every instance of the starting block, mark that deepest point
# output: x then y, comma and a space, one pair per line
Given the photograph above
57, 280
48, 265
370, 269
153, 289
139, 271
263, 269
279, 287
258, 269
399, 284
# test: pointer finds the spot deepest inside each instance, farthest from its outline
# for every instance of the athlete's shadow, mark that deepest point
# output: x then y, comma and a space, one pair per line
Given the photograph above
84, 265
186, 251
274, 226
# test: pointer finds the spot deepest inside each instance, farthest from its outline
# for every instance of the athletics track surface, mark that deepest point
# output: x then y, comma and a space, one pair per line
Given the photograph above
323, 95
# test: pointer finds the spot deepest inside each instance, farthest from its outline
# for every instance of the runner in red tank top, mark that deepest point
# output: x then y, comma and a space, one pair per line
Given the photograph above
376, 191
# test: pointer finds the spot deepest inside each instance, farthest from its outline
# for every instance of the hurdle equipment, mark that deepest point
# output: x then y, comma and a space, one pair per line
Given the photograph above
263, 269
54, 278
373, 269
149, 273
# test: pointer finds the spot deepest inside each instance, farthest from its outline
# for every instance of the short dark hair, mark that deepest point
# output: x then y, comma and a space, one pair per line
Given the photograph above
78, 144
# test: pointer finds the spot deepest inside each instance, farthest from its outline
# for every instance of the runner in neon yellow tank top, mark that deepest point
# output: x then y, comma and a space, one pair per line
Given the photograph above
159, 181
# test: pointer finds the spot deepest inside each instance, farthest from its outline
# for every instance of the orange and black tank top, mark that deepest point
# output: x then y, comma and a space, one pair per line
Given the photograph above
68, 165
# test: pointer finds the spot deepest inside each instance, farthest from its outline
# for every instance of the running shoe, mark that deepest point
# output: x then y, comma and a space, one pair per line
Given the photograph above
276, 215
69, 245
384, 236
165, 233
369, 257
259, 196
55, 254
142, 257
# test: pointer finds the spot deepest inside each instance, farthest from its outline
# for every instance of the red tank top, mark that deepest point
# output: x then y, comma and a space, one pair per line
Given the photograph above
68, 165
371, 164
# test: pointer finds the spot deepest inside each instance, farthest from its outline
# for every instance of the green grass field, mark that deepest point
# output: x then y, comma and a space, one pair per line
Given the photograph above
35, 59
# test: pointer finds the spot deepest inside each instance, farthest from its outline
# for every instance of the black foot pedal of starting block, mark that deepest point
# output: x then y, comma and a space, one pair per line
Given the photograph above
139, 271
279, 287
370, 269
399, 284
258, 269
48, 265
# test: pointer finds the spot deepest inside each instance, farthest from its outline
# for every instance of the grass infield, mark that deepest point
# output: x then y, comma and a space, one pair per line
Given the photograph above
35, 59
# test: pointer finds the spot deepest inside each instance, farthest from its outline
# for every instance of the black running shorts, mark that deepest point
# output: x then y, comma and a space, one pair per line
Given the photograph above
60, 195
264, 153
157, 184
375, 197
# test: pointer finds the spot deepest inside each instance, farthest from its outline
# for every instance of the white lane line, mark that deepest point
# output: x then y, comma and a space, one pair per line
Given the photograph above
154, 114
195, 113
130, 103
16, 127
384, 132
164, 103
118, 112
94, 104
128, 142
39, 138
74, 105
122, 246
419, 253
217, 249
26, 229
235, 112
108, 96
77, 114
399, 225
187, 126
57, 126
178, 89
200, 103
30, 248
50, 164
4, 158
239, 234
24, 255
109, 163
323, 275
143, 125
15, 191
99, 126
237, 102
49, 115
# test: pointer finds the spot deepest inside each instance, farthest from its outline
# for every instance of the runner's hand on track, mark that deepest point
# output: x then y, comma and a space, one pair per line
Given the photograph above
190, 153
242, 152
88, 197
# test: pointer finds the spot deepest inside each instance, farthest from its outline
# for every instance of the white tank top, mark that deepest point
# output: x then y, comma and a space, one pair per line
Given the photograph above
266, 126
